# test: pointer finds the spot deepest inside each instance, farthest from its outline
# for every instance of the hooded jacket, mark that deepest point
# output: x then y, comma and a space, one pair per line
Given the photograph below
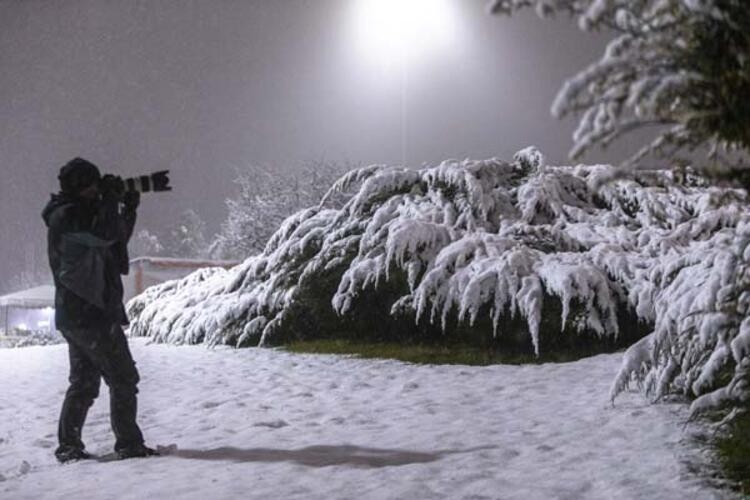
87, 249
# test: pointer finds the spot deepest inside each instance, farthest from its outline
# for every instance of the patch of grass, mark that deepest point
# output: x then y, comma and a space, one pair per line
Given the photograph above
451, 354
733, 451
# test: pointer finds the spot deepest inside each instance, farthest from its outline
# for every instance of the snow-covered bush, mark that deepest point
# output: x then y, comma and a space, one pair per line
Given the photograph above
489, 244
679, 67
701, 342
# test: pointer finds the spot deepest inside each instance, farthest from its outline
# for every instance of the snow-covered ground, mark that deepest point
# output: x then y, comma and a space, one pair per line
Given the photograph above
261, 423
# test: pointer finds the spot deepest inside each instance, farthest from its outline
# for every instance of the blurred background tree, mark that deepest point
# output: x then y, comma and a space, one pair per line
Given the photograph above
265, 199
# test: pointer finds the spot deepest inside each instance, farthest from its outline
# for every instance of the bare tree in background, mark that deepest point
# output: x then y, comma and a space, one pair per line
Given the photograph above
187, 239
145, 243
267, 198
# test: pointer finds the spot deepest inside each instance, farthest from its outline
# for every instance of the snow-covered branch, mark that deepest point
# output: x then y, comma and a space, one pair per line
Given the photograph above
682, 64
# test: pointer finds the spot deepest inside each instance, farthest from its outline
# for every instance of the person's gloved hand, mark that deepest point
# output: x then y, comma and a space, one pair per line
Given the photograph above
112, 187
131, 199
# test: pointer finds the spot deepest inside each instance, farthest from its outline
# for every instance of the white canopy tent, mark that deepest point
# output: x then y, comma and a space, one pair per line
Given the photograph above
35, 307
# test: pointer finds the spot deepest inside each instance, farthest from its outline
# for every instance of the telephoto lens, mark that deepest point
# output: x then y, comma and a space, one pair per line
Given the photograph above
158, 181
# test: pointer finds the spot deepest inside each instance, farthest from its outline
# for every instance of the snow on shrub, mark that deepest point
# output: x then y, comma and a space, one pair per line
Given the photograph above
701, 341
27, 338
493, 240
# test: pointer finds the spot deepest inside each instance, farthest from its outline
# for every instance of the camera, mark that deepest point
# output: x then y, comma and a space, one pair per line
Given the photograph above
158, 181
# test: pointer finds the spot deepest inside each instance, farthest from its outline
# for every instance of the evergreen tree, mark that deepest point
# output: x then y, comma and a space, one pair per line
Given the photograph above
681, 66
684, 67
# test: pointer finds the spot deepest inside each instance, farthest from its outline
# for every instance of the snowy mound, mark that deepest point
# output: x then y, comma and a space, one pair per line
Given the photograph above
471, 241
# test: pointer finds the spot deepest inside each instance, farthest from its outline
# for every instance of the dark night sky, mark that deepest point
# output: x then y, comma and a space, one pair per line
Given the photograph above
205, 87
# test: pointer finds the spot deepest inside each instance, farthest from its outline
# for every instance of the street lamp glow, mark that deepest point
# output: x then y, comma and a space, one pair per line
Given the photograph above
391, 30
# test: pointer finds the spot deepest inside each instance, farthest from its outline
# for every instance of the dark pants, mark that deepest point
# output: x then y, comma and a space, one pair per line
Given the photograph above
97, 353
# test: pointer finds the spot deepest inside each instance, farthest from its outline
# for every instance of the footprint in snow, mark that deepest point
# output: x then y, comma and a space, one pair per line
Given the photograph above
24, 468
43, 443
210, 404
273, 424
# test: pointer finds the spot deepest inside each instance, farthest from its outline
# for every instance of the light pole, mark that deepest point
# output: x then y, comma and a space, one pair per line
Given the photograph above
404, 106
399, 31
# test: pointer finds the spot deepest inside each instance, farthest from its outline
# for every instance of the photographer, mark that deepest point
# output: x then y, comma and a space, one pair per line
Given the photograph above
90, 222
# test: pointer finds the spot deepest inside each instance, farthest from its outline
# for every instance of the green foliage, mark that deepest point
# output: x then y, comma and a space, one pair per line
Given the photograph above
719, 51
446, 353
733, 451
370, 330
411, 353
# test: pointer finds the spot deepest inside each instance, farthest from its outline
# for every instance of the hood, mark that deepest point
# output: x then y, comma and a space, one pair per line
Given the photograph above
77, 174
56, 201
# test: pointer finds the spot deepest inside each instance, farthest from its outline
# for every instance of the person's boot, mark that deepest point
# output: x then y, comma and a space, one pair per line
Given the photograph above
140, 451
67, 454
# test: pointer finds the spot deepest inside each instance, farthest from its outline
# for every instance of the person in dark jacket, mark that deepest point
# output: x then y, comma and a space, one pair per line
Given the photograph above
89, 225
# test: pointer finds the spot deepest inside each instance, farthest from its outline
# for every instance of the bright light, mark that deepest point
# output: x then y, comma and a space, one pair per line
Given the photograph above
393, 30
22, 326
42, 324
48, 310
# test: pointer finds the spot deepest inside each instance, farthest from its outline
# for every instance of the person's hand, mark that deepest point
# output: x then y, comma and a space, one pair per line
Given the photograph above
112, 187
131, 199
